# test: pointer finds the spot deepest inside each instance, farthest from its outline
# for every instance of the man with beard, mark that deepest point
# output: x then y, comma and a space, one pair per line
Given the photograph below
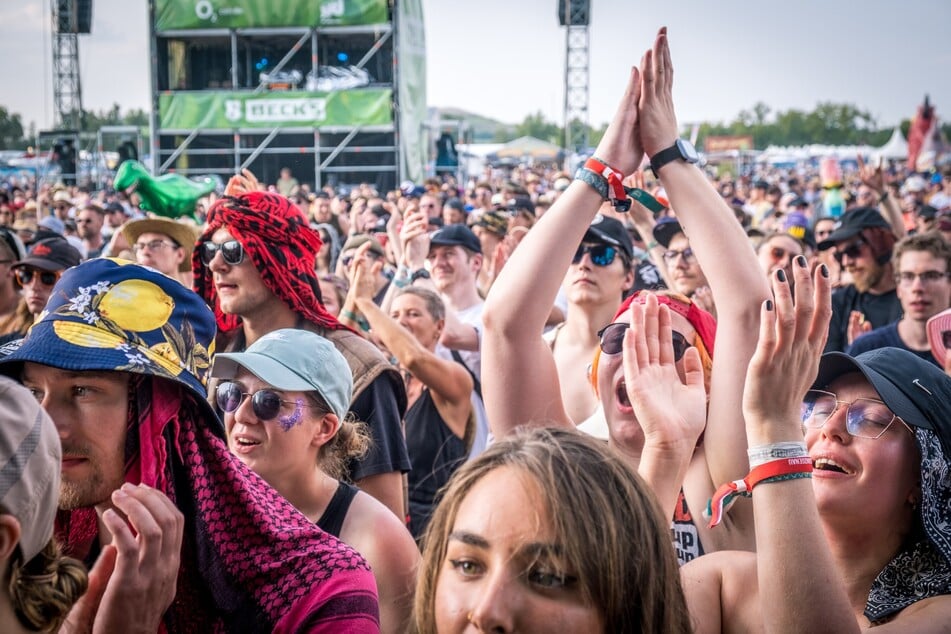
921, 264
862, 243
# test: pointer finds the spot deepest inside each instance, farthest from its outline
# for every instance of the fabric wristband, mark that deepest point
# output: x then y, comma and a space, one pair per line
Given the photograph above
611, 175
773, 471
594, 180
765, 453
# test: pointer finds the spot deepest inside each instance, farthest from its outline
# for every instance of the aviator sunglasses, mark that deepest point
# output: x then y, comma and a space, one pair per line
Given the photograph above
266, 404
601, 254
231, 251
612, 340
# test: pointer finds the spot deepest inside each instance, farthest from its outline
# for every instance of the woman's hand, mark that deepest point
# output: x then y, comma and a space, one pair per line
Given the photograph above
363, 272
658, 121
414, 238
786, 361
620, 147
243, 183
671, 413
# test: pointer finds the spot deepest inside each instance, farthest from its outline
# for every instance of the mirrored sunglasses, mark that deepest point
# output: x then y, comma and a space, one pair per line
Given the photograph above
231, 251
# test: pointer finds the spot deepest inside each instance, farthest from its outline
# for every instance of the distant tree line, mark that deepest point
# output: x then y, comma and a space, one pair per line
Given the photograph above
828, 123
14, 136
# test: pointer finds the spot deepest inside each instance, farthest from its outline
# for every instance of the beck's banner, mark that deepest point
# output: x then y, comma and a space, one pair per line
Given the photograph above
230, 110
243, 14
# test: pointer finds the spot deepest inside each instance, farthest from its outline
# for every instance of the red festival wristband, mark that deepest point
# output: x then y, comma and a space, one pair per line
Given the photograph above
772, 471
611, 175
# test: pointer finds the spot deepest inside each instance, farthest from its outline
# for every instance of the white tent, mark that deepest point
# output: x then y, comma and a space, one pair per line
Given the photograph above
895, 149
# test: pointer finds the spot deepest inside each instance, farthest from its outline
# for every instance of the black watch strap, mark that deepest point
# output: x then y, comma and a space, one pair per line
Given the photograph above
664, 157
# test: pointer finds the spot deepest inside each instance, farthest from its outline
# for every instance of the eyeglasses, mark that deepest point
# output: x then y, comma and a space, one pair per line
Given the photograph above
25, 275
853, 250
612, 340
266, 404
864, 418
154, 245
601, 254
908, 278
671, 256
231, 251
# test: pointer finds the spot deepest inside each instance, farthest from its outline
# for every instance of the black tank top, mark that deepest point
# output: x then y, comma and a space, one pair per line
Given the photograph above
435, 452
336, 512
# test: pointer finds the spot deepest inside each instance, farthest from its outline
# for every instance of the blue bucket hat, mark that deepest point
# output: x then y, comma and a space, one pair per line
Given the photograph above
113, 315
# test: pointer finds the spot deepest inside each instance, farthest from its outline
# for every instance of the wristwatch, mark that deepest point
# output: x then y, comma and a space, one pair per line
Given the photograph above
682, 149
419, 274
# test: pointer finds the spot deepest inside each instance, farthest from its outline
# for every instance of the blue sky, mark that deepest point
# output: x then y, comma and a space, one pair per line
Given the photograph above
505, 59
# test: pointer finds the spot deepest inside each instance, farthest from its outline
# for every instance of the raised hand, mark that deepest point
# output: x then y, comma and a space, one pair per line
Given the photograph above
671, 413
658, 122
858, 326
363, 272
243, 183
792, 336
871, 176
620, 146
414, 238
134, 580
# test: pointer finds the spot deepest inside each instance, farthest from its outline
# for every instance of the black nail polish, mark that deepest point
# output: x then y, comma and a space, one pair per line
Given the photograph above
769, 304
781, 275
824, 270
801, 261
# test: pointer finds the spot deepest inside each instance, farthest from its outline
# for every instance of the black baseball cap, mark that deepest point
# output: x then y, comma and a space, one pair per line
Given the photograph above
852, 223
453, 235
918, 391
665, 230
610, 231
53, 254
521, 203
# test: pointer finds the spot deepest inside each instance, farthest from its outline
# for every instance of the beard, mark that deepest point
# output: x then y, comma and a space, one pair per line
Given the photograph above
93, 488
869, 278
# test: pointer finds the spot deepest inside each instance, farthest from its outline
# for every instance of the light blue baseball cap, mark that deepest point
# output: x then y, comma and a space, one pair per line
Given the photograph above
296, 361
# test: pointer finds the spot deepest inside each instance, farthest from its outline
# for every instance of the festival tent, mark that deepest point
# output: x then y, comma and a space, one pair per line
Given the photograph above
896, 148
528, 148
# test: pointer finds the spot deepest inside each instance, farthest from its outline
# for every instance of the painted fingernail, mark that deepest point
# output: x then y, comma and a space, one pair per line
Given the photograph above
801, 261
781, 275
824, 270
769, 304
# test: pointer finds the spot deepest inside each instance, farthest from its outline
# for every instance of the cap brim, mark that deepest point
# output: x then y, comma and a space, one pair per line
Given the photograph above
42, 264
274, 373
838, 236
836, 364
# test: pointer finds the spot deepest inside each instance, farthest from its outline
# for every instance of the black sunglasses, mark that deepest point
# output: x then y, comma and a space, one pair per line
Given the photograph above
266, 404
612, 340
25, 275
601, 254
854, 250
231, 251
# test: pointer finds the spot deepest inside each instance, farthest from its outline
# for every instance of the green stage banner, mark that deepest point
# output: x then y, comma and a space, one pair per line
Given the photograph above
228, 110
240, 14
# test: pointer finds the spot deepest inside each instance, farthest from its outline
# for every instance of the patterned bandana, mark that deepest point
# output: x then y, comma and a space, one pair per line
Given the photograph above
923, 567
702, 321
250, 561
283, 248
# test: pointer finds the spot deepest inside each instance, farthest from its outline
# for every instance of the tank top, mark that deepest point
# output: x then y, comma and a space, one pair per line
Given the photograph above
435, 452
336, 512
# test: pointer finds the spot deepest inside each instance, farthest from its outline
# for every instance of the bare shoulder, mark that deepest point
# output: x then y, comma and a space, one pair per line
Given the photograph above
722, 592
377, 534
923, 617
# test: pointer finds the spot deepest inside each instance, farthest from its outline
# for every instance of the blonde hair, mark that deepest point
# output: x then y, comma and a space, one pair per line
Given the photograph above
44, 589
352, 441
604, 516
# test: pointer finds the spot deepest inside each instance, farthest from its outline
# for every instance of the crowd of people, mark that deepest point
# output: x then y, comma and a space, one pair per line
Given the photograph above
504, 405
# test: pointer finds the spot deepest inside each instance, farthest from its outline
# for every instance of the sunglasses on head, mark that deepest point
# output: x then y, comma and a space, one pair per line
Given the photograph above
25, 275
266, 404
231, 251
601, 254
612, 340
853, 250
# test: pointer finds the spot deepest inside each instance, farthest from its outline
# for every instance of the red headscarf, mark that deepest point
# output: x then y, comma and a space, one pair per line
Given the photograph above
276, 236
702, 321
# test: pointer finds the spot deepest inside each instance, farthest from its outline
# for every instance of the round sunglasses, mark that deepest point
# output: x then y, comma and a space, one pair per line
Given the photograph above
231, 251
612, 340
266, 404
601, 254
25, 275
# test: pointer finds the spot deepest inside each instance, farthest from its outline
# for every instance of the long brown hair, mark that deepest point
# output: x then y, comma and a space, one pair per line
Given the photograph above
605, 517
